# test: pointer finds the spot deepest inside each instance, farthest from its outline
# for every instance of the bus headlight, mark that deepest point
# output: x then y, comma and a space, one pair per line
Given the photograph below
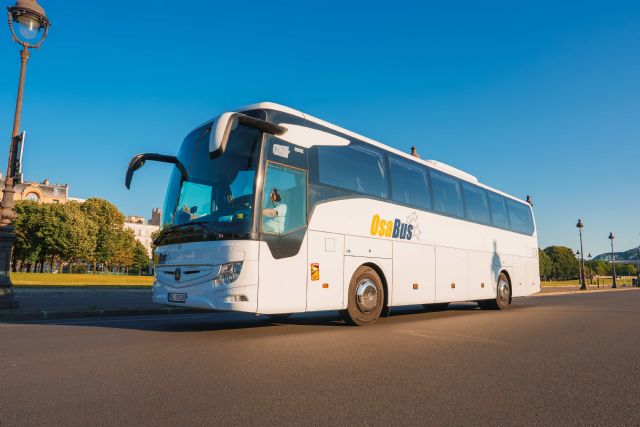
228, 273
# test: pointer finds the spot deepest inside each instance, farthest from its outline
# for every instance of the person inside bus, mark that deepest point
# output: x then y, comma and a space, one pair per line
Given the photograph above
273, 220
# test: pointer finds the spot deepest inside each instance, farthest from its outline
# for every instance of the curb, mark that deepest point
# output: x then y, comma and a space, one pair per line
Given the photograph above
579, 292
61, 314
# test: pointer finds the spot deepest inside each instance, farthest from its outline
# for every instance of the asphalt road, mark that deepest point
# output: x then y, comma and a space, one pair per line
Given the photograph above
569, 360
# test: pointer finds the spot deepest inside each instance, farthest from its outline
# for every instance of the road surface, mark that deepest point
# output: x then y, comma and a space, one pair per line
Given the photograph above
571, 359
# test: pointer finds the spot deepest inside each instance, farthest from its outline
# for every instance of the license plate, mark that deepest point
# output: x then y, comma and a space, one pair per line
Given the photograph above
173, 297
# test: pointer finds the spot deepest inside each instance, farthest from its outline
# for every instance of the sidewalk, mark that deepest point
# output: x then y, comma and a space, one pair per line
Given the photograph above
69, 302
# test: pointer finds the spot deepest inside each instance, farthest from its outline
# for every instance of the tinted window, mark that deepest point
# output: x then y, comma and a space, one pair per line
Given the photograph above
498, 206
520, 217
409, 184
477, 204
447, 197
217, 191
355, 167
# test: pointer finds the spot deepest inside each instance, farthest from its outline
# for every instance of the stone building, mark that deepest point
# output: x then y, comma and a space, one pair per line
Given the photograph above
142, 229
43, 192
156, 215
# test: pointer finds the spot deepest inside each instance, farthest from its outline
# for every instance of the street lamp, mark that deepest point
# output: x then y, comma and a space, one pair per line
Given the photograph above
29, 27
613, 261
590, 269
583, 285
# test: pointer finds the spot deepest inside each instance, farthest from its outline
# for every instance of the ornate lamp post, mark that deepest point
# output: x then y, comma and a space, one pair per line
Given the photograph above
637, 266
613, 261
29, 27
583, 282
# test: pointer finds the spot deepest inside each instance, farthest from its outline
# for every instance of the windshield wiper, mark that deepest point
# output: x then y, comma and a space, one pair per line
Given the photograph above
176, 227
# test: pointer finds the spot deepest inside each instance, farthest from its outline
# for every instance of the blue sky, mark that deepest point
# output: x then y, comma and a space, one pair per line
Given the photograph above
539, 98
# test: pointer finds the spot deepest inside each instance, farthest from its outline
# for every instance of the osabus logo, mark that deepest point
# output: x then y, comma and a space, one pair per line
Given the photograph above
393, 228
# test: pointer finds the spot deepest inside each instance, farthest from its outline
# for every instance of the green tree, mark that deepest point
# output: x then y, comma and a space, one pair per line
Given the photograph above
27, 245
108, 223
546, 265
625, 269
600, 268
124, 247
140, 257
51, 233
565, 264
78, 237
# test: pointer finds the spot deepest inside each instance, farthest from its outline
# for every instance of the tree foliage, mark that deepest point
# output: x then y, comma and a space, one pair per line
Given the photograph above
564, 263
91, 232
109, 223
546, 265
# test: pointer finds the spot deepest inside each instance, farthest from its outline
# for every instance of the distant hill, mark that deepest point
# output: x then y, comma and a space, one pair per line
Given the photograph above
629, 255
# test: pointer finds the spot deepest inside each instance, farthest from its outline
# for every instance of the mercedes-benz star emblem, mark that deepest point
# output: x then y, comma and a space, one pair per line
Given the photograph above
177, 274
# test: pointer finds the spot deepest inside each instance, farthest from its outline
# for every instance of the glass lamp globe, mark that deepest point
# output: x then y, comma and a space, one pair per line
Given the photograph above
28, 22
28, 27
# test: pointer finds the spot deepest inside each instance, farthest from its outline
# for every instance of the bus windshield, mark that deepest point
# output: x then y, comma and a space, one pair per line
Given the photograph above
218, 192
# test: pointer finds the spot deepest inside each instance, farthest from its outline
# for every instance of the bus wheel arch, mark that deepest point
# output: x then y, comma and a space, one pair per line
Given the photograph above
383, 278
506, 273
499, 302
366, 295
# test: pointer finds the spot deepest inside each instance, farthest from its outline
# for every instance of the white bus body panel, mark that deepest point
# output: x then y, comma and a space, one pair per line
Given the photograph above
452, 274
325, 291
483, 272
413, 264
282, 281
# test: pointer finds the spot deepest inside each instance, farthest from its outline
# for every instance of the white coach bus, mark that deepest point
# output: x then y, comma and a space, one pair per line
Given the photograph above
271, 211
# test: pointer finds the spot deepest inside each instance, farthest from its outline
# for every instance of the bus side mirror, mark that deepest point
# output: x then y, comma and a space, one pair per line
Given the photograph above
139, 160
227, 122
220, 131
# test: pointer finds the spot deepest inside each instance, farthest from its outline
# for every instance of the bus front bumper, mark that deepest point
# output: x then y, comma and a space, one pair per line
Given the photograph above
206, 296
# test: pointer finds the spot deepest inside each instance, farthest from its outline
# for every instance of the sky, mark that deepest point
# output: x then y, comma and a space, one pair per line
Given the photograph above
538, 98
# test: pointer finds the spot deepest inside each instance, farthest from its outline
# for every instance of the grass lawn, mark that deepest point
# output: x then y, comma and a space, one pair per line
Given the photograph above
603, 281
49, 279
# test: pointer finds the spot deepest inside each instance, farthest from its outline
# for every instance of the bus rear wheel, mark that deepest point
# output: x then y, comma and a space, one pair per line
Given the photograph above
366, 298
503, 297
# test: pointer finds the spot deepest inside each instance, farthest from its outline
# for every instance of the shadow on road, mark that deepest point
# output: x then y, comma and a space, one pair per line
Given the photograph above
223, 321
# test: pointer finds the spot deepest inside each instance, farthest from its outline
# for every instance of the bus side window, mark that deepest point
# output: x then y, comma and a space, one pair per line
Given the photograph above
357, 168
409, 183
520, 217
284, 205
447, 196
498, 206
477, 204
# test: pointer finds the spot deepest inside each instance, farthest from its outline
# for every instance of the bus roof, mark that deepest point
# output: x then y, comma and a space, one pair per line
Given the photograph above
434, 164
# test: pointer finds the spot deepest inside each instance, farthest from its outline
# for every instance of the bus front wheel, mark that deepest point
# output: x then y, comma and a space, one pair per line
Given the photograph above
366, 298
503, 296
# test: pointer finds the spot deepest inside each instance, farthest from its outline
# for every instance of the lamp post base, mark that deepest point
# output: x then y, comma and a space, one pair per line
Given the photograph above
7, 297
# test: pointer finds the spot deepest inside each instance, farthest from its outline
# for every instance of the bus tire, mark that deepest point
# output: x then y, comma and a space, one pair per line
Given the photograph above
366, 298
503, 297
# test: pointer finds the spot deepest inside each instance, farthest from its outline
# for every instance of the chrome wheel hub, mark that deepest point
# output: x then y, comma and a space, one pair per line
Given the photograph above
503, 291
366, 295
